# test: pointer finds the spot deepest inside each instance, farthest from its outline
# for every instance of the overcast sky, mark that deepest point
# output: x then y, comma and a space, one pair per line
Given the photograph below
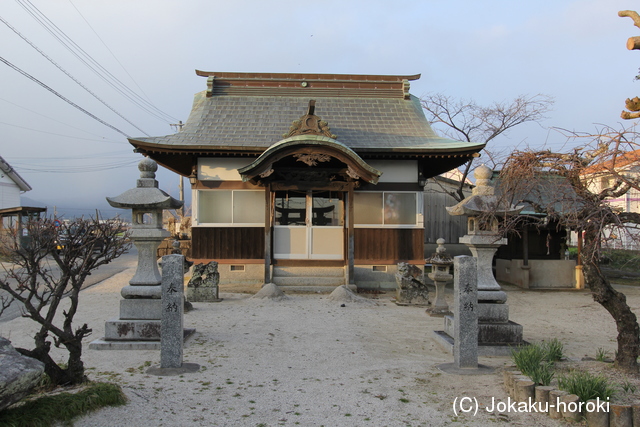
485, 50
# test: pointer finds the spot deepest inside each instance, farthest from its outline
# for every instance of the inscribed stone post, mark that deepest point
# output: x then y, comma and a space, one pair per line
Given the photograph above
465, 290
171, 326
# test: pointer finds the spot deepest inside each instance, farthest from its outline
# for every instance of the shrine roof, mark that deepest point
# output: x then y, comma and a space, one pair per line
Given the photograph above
252, 111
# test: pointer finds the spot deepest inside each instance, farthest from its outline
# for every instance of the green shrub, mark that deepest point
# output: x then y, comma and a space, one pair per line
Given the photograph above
543, 373
622, 259
537, 360
61, 408
585, 385
554, 350
528, 358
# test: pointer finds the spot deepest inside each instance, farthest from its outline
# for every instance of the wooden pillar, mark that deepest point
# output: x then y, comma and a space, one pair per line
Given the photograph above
579, 275
268, 226
579, 257
526, 269
350, 238
525, 246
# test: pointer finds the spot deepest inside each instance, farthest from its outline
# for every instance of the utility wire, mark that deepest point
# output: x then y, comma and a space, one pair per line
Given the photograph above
58, 134
59, 95
98, 69
77, 169
55, 120
69, 74
112, 54
108, 155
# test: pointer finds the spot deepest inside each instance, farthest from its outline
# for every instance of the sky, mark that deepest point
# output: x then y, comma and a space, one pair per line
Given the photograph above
489, 51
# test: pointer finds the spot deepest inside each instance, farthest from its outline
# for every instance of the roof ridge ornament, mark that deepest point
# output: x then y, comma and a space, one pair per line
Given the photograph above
310, 124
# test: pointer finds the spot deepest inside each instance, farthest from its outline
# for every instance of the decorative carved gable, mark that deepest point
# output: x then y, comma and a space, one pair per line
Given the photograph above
310, 124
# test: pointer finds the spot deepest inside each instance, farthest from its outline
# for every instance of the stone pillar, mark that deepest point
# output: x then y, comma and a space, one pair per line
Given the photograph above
171, 342
465, 289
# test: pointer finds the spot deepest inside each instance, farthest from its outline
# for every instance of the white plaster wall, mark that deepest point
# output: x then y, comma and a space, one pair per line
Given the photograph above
9, 193
221, 169
396, 170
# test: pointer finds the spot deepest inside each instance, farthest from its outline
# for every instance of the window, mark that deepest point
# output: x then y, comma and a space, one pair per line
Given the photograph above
386, 208
238, 207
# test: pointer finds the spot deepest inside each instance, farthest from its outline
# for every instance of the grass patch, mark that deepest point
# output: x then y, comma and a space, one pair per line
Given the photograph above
554, 350
601, 354
62, 408
537, 360
585, 385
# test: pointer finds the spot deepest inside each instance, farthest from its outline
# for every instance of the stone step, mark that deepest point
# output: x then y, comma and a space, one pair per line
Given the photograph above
312, 289
308, 271
286, 281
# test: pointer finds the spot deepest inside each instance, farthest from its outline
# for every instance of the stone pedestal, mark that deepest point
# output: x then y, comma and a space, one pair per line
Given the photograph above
494, 328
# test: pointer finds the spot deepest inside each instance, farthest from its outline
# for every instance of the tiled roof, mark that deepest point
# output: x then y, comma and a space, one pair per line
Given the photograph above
365, 115
622, 161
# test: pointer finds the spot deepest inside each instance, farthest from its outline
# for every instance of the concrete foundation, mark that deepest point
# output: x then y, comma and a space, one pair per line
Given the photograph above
539, 274
371, 277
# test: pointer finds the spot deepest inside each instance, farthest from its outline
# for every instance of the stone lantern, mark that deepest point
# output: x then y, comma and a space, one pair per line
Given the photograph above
483, 239
441, 263
141, 308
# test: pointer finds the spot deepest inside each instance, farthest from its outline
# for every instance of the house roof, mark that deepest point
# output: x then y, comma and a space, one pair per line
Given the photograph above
11, 173
249, 112
622, 161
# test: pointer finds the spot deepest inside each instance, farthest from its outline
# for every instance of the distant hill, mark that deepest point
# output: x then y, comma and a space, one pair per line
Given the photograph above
69, 212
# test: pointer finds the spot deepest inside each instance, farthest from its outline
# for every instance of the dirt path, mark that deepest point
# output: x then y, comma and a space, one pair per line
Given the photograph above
308, 361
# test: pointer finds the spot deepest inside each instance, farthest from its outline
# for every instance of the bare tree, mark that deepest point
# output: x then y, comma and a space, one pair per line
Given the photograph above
49, 265
574, 189
469, 121
633, 43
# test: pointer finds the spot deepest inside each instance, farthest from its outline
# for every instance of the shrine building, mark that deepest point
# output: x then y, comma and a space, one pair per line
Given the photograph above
307, 180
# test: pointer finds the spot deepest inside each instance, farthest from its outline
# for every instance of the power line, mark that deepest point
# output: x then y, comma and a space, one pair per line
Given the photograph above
107, 155
58, 134
57, 121
69, 74
97, 68
107, 47
25, 168
59, 95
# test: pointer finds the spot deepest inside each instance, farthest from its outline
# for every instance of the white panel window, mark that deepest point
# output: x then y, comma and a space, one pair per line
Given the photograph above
387, 208
230, 207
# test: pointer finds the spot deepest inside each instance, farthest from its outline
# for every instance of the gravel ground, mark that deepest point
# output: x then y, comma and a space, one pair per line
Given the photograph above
308, 361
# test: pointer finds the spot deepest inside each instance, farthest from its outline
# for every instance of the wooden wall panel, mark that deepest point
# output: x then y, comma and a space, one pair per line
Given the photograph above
227, 243
391, 244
